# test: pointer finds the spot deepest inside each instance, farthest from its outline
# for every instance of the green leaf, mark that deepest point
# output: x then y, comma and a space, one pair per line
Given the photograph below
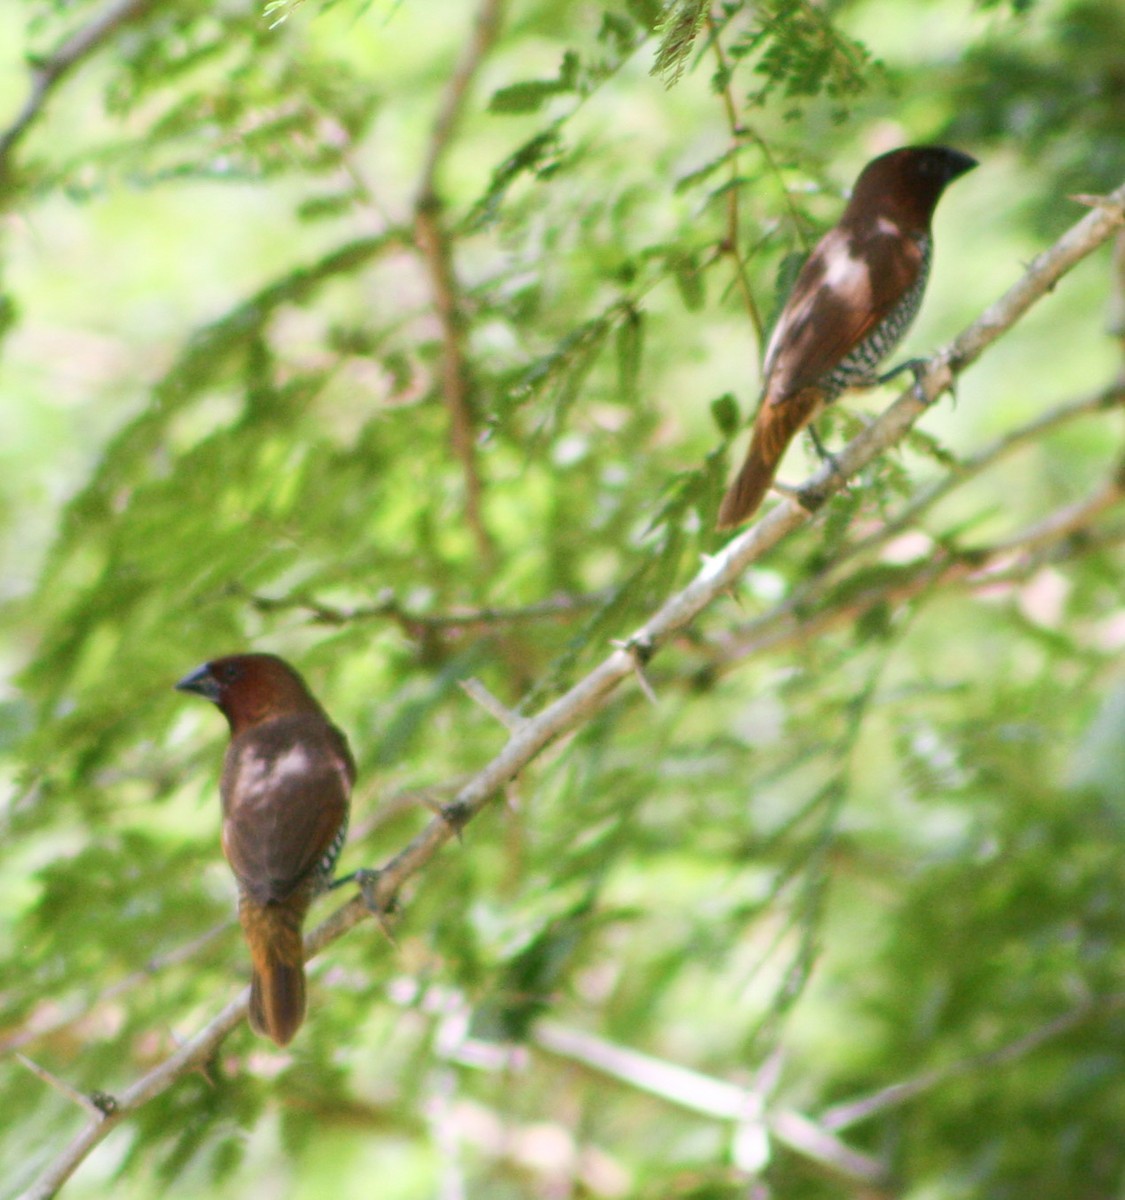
689, 280
725, 414
629, 344
525, 97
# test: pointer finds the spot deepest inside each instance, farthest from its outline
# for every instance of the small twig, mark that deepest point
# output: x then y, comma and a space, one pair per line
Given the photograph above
36, 1028
456, 386
419, 625
47, 72
486, 27
1094, 402
389, 808
852, 1112
640, 655
678, 1085
1066, 521
475, 690
100, 1105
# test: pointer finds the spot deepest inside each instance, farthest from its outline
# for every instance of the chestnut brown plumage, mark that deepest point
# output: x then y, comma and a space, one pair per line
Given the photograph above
852, 303
287, 779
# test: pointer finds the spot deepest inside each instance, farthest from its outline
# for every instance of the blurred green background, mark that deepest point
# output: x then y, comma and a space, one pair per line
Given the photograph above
885, 849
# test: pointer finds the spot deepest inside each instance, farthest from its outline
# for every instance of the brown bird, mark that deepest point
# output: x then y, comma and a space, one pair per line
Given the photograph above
853, 301
287, 779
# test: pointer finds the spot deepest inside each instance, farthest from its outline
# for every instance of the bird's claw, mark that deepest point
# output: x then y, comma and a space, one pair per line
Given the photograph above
368, 882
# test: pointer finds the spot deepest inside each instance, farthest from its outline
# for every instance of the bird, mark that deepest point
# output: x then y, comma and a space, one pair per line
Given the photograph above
285, 789
851, 304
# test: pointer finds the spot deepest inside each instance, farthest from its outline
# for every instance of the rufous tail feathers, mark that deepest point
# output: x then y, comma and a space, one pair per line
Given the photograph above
277, 988
775, 426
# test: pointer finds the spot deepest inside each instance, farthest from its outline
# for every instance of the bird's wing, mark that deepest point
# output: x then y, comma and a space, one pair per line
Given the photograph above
285, 792
850, 282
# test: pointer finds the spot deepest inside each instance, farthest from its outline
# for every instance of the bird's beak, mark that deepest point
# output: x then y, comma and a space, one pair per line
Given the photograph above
201, 682
960, 163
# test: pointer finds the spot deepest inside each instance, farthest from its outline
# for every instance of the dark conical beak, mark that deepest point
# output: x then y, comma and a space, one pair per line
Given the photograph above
958, 163
201, 682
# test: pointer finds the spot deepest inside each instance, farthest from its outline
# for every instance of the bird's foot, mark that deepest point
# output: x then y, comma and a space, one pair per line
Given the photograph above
808, 497
811, 497
824, 455
916, 366
367, 881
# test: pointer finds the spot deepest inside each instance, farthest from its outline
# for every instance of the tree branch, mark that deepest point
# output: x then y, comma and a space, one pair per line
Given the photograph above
592, 693
433, 242
46, 73
38, 1026
711, 1097
50, 1018
486, 27
422, 625
734, 222
852, 1112
1100, 401
827, 602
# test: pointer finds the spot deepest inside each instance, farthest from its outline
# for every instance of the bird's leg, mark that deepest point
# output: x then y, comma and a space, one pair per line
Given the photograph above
825, 456
916, 367
808, 497
344, 880
818, 446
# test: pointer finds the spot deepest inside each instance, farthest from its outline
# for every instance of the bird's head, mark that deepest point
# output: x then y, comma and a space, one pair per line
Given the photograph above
250, 688
908, 181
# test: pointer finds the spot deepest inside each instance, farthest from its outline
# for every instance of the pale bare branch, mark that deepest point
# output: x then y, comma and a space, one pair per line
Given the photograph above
710, 1097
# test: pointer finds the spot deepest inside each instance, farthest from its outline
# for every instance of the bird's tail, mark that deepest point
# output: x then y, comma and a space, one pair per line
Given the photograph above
277, 987
775, 426
749, 487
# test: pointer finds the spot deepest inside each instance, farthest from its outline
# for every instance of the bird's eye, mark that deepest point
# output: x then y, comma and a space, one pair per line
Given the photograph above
229, 672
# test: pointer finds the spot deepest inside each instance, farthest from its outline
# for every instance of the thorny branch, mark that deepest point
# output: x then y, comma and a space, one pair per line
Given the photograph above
47, 72
828, 601
816, 606
1100, 401
52, 1017
433, 242
592, 693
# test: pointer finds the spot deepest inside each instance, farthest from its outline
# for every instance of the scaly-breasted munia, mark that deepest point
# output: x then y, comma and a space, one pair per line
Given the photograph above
853, 301
286, 784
